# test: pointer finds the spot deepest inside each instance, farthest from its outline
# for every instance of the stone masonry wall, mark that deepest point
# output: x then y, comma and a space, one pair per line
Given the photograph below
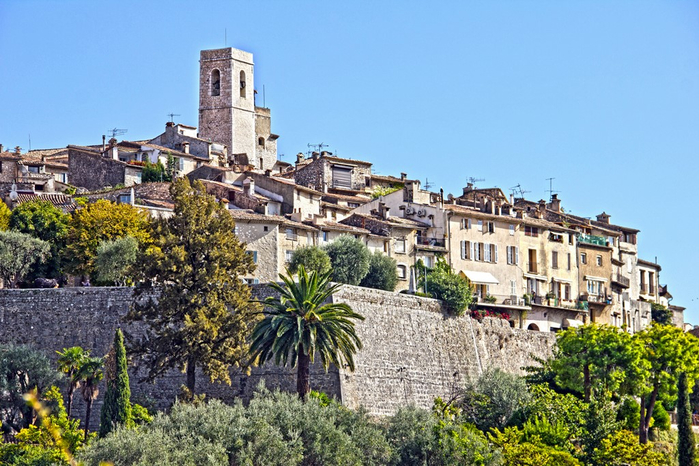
412, 350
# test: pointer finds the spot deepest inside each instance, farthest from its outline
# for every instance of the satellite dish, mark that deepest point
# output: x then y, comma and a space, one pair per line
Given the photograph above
13, 192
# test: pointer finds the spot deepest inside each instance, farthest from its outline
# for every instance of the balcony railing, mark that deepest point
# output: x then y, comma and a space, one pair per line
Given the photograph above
592, 239
424, 241
621, 280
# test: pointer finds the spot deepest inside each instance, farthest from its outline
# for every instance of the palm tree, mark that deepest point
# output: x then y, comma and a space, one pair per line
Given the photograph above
89, 375
299, 323
69, 361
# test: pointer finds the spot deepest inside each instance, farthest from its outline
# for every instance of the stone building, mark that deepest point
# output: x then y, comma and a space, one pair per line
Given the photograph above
183, 138
93, 170
227, 111
28, 174
325, 173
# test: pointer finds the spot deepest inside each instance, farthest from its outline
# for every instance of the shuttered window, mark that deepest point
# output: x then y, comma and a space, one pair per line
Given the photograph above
342, 177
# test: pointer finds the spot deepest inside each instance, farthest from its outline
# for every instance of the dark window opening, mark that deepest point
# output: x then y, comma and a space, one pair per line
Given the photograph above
215, 82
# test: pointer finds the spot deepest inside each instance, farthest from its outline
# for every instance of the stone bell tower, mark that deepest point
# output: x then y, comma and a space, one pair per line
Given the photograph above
227, 102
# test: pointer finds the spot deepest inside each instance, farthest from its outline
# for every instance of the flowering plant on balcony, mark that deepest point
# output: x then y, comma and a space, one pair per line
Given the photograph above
482, 313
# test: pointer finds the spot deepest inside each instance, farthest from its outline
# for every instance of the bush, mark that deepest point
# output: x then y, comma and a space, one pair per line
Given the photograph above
494, 399
661, 418
629, 414
622, 448
115, 259
349, 258
313, 258
453, 290
382, 273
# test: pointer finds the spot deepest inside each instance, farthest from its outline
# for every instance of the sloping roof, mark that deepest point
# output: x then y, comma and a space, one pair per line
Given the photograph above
649, 264
62, 201
332, 158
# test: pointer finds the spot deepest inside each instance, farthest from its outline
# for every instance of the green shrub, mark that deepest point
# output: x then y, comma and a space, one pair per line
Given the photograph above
494, 399
661, 418
629, 414
349, 258
382, 273
313, 258
621, 448
454, 291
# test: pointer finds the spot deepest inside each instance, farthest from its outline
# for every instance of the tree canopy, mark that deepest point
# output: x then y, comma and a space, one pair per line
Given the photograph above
202, 315
349, 258
18, 252
115, 259
382, 274
312, 258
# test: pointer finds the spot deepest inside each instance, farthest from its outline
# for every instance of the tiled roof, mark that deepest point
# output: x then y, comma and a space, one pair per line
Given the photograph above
329, 197
398, 222
62, 201
332, 158
334, 226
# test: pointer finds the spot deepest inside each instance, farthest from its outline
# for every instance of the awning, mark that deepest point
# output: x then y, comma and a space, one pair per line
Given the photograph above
594, 279
572, 323
481, 278
562, 280
541, 278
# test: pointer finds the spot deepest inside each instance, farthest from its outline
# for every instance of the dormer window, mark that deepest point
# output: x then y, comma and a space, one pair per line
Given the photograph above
215, 83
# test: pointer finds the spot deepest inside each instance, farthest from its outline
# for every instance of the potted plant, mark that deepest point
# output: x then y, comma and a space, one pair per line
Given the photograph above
527, 299
490, 299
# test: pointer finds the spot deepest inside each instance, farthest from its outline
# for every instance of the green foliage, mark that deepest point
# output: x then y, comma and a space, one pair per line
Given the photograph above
378, 191
115, 259
153, 172
69, 361
382, 273
102, 220
599, 358
411, 434
140, 415
453, 290
685, 437
299, 323
629, 415
203, 316
493, 400
661, 418
5, 213
556, 408
661, 314
349, 258
89, 375
621, 448
116, 408
312, 258
22, 369
276, 429
18, 253
518, 450
599, 422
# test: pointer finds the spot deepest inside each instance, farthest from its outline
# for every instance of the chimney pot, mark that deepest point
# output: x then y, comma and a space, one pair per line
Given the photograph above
185, 147
169, 124
315, 155
299, 157
403, 176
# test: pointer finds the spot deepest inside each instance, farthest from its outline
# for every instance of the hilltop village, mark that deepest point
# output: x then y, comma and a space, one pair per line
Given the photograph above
528, 259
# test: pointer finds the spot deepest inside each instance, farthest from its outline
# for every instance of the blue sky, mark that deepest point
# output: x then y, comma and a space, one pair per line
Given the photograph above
601, 96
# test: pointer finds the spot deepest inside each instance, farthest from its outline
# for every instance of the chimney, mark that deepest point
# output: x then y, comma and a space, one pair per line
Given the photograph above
512, 199
132, 198
249, 186
603, 218
104, 143
468, 188
113, 149
18, 149
384, 211
299, 157
325, 153
403, 177
555, 203
441, 198
185, 147
170, 124
268, 172
315, 155
542, 208
2, 148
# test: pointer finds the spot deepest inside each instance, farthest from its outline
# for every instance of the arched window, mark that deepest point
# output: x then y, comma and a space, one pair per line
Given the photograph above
242, 84
215, 82
533, 327
261, 142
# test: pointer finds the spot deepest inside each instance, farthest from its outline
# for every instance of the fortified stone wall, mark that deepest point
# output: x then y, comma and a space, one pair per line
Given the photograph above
412, 350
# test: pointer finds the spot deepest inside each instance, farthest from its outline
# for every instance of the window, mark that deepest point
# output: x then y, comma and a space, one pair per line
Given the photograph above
513, 288
353, 205
512, 255
261, 142
290, 234
465, 223
566, 292
124, 199
651, 283
242, 84
265, 228
495, 253
568, 261
512, 230
531, 231
599, 261
477, 254
215, 83
342, 177
262, 162
593, 287
288, 255
479, 225
583, 258
253, 254
465, 249
532, 261
487, 253
0, 166
251, 281
325, 236
400, 246
402, 272
554, 259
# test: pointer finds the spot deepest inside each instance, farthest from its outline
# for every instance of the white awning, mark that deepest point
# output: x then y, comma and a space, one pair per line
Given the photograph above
590, 278
541, 278
481, 278
572, 323
562, 280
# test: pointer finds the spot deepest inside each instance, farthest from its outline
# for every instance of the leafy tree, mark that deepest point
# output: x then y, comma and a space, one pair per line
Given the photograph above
599, 357
629, 414
69, 361
90, 373
621, 448
442, 283
685, 435
102, 220
299, 323
116, 408
44, 221
5, 213
382, 273
661, 314
519, 451
494, 399
349, 258
565, 410
22, 369
18, 252
599, 421
668, 351
411, 434
312, 258
115, 259
203, 315
153, 172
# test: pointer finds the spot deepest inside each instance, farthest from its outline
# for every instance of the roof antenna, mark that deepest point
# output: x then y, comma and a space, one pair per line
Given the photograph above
30, 142
318, 147
518, 190
550, 190
172, 116
428, 185
473, 180
117, 132
225, 37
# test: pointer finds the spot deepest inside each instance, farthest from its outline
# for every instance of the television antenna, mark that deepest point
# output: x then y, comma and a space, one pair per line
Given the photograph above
518, 190
117, 132
550, 190
428, 185
318, 147
473, 180
172, 116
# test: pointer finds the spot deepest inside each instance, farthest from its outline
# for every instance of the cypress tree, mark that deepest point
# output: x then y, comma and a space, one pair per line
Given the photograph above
117, 399
685, 441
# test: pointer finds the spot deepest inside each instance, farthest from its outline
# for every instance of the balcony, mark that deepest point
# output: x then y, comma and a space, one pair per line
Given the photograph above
424, 241
621, 280
592, 239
